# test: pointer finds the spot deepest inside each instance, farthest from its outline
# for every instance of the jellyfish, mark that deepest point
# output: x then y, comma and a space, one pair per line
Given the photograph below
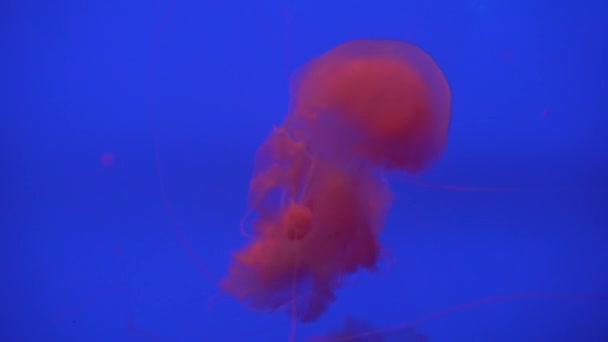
318, 194
358, 330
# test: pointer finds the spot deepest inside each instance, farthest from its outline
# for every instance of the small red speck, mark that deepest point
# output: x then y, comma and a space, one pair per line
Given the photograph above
107, 159
546, 112
118, 249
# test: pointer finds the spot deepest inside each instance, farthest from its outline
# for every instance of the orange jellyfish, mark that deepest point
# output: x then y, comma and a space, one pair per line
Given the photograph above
357, 330
317, 194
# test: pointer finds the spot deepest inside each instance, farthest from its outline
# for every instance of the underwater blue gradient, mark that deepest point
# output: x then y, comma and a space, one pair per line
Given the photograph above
90, 249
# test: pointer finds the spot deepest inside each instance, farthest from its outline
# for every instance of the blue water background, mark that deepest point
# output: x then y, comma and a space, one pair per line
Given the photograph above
92, 92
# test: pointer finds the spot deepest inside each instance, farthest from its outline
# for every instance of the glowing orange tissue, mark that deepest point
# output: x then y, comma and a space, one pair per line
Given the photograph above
317, 192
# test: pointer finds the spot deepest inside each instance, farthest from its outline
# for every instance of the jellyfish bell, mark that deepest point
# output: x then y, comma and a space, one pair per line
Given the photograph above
385, 100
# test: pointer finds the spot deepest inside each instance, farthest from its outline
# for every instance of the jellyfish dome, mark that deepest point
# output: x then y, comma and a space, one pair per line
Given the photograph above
385, 99
317, 195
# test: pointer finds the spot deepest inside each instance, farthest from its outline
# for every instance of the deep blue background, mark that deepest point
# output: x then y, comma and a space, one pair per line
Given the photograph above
91, 252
